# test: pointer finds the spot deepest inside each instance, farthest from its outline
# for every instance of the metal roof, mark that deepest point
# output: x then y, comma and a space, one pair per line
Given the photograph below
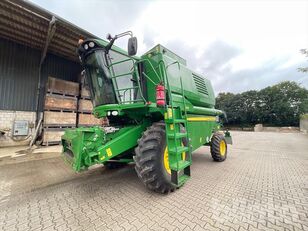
31, 25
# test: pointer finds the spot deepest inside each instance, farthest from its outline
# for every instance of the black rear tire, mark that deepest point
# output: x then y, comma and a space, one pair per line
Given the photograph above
218, 147
149, 159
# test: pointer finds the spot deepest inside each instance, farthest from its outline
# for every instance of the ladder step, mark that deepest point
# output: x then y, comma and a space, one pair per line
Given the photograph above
179, 150
182, 180
177, 121
177, 135
182, 164
179, 180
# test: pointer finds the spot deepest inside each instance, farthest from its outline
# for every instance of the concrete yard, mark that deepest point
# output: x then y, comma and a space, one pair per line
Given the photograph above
263, 185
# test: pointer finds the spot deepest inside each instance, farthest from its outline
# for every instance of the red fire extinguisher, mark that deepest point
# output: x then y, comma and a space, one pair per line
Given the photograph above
160, 95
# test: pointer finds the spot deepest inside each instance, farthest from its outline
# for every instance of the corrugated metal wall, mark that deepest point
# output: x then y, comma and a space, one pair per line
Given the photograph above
18, 76
19, 66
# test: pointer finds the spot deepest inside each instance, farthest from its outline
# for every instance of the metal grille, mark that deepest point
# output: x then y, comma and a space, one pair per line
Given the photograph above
200, 84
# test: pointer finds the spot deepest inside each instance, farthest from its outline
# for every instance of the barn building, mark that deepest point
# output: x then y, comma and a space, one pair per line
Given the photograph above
35, 44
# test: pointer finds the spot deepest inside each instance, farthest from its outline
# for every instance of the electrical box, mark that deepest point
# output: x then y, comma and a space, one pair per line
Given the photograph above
21, 128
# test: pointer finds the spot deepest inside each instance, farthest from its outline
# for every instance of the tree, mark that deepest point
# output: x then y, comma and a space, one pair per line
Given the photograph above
304, 52
283, 103
225, 101
279, 105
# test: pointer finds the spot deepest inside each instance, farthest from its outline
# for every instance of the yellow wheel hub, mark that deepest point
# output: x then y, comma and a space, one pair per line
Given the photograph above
222, 148
166, 159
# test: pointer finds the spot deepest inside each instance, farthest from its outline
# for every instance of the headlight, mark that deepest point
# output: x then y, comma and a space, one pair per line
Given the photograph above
108, 113
86, 46
114, 113
91, 44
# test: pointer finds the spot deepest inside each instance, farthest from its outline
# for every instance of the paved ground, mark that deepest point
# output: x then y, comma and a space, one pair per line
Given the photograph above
263, 185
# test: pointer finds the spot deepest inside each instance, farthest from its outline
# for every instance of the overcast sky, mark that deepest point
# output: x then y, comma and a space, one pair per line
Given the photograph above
238, 45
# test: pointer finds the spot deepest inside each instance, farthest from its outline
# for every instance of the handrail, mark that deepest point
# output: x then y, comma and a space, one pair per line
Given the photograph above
142, 60
166, 80
162, 79
122, 89
136, 100
138, 81
181, 81
184, 104
149, 78
115, 85
121, 75
121, 61
165, 67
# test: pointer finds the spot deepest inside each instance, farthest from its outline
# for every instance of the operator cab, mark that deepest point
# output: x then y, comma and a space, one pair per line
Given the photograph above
113, 75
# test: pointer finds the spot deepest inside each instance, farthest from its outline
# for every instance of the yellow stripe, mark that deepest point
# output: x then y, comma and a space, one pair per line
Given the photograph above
209, 118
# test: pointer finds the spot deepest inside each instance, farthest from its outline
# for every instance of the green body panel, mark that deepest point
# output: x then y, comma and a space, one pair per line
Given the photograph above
189, 112
201, 132
120, 141
84, 147
79, 146
198, 90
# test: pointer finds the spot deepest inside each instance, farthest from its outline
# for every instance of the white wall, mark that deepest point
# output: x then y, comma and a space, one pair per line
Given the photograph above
6, 124
303, 123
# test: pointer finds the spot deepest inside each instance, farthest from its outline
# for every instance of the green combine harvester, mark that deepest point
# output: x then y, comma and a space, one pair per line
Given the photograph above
159, 112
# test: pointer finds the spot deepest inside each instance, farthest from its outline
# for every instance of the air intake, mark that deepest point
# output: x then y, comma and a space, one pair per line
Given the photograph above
200, 84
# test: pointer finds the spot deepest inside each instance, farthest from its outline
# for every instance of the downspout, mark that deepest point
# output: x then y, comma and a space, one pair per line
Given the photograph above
50, 34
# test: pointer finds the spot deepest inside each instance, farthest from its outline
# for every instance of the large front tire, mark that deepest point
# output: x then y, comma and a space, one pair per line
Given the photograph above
150, 159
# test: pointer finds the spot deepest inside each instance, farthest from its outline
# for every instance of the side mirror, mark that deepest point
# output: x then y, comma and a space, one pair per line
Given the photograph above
132, 46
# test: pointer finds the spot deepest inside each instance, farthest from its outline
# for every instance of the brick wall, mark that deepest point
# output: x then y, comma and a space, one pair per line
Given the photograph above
6, 124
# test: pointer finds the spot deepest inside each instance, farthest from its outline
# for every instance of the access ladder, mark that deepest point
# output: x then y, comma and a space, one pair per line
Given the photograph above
179, 149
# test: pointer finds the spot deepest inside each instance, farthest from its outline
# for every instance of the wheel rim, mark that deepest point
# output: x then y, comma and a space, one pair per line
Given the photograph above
222, 148
166, 159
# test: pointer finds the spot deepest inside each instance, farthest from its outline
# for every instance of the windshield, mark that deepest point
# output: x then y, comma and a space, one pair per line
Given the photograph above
98, 78
118, 75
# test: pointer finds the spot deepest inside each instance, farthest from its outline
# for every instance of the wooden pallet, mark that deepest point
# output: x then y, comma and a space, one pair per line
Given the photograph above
49, 143
59, 126
88, 125
85, 93
51, 136
88, 119
85, 105
56, 118
60, 109
60, 103
55, 93
85, 112
90, 122
59, 86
